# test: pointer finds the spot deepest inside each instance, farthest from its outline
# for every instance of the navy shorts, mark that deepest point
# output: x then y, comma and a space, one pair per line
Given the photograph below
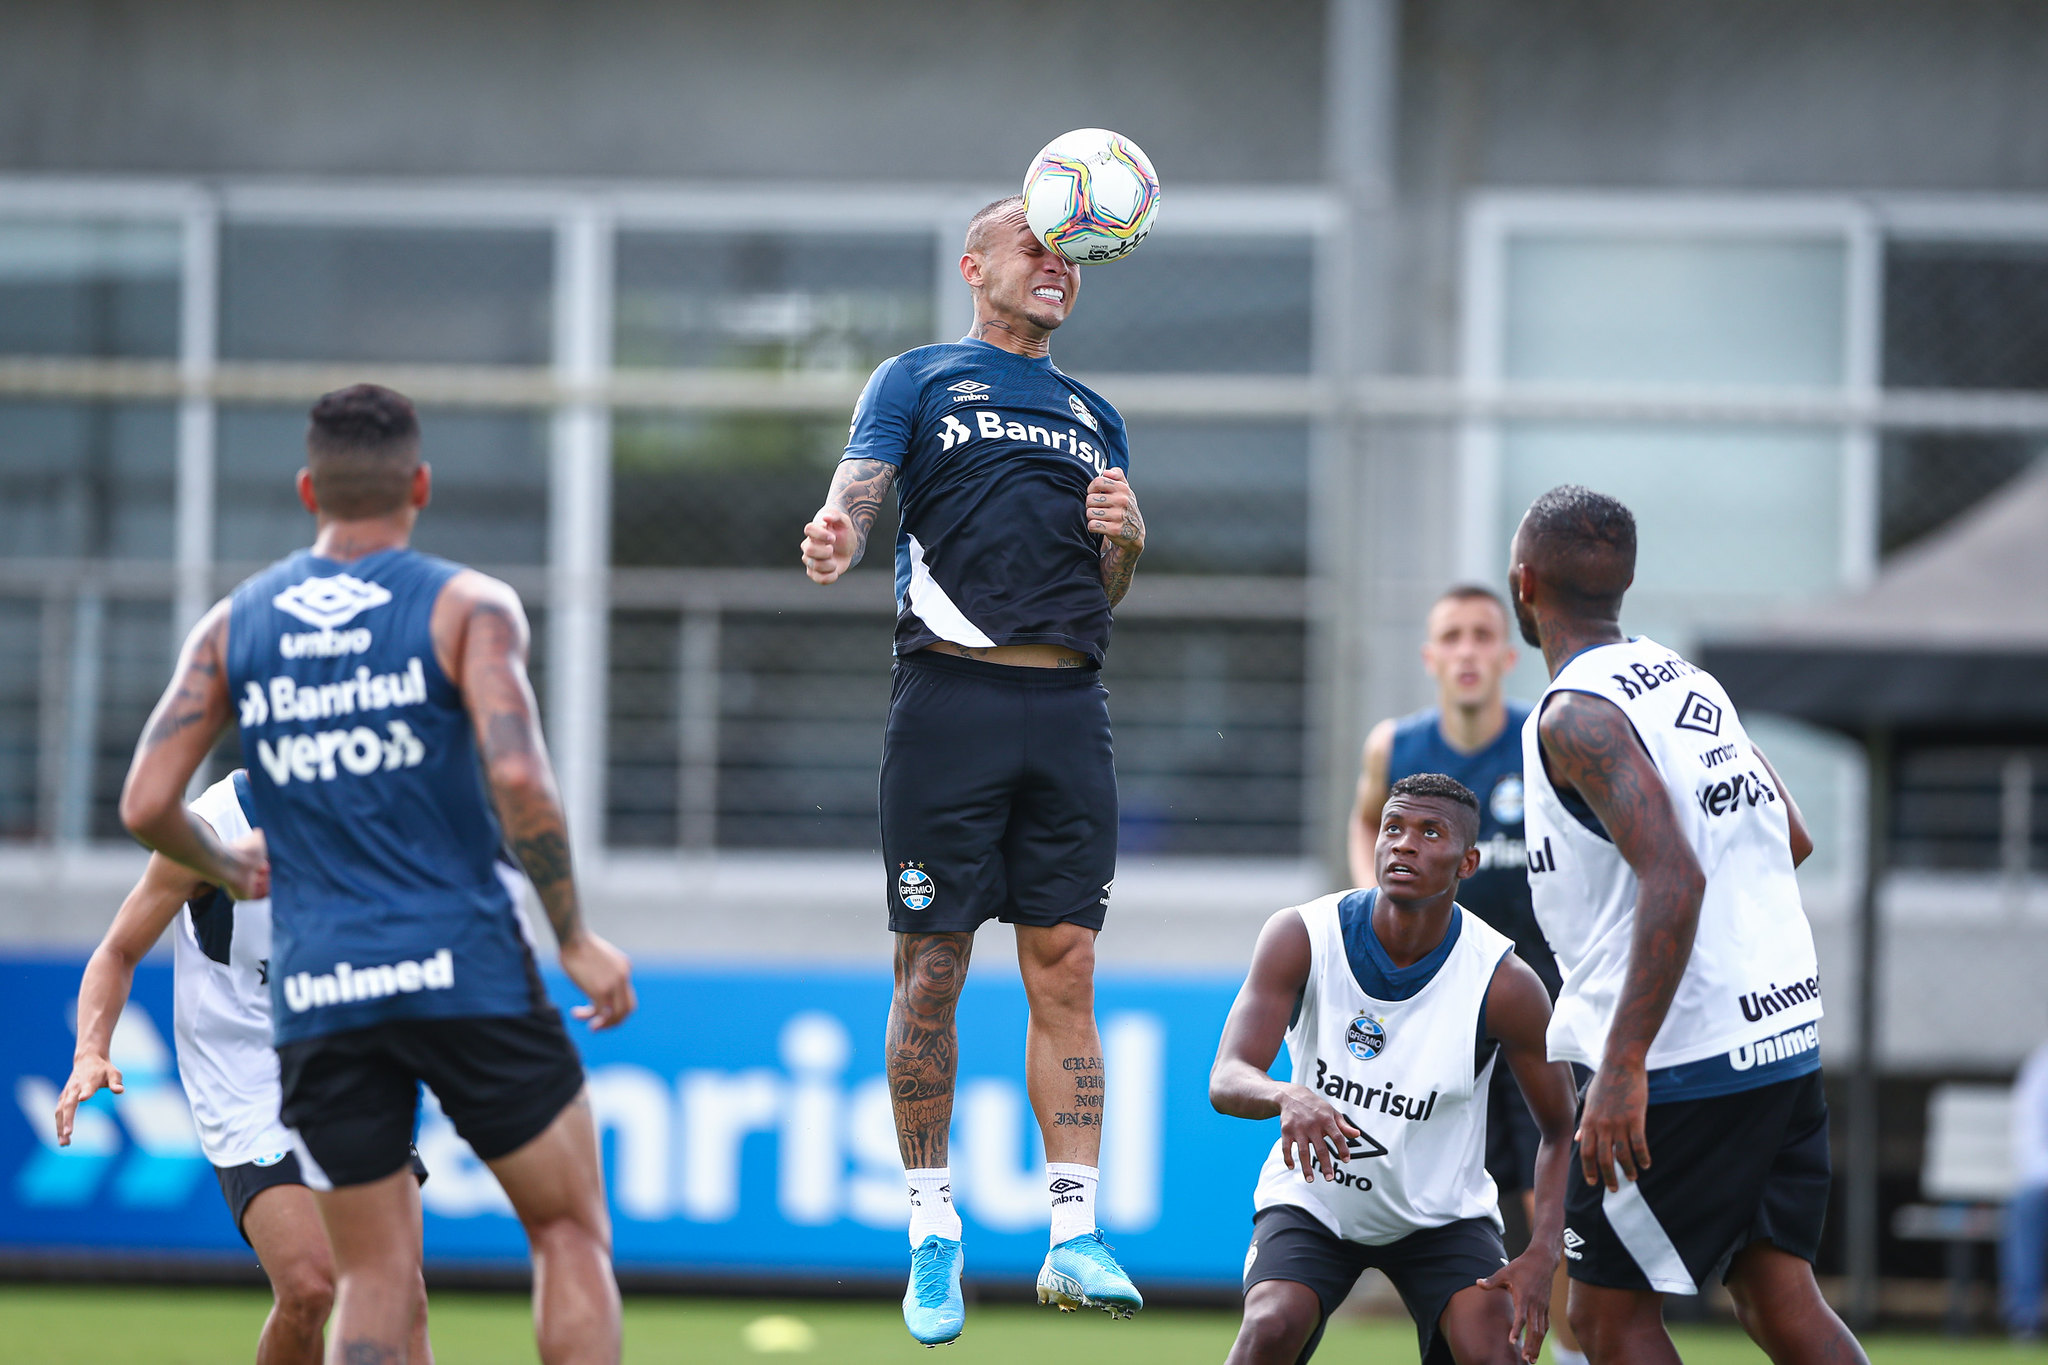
240, 1185
351, 1098
1725, 1172
1426, 1267
998, 795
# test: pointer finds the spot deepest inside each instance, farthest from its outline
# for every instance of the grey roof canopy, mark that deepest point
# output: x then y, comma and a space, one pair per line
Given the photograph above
1952, 637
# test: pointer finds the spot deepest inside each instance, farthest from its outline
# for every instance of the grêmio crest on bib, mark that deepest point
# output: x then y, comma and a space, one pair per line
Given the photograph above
1366, 1037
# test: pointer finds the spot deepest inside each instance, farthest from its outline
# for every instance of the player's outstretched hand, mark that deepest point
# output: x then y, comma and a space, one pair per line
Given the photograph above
1611, 1132
88, 1076
828, 545
1113, 511
604, 974
249, 878
1312, 1126
1527, 1282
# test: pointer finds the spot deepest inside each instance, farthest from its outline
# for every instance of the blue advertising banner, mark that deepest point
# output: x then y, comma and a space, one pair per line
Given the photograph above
746, 1127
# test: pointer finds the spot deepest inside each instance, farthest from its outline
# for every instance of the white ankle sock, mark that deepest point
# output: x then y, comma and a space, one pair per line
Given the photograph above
1073, 1199
931, 1205
1565, 1356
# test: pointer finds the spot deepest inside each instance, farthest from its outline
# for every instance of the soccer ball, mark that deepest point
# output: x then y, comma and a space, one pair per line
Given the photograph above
1091, 196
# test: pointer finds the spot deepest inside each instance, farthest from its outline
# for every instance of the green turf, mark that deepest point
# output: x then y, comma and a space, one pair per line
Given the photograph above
118, 1326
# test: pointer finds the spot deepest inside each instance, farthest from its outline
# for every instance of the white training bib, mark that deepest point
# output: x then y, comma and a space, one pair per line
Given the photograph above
1752, 973
1402, 1072
225, 1057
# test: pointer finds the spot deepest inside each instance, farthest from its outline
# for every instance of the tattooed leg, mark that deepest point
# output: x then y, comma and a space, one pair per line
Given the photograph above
922, 1045
1062, 1051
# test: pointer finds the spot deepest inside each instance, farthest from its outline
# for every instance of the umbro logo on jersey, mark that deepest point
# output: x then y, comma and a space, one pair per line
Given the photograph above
1698, 713
325, 603
967, 391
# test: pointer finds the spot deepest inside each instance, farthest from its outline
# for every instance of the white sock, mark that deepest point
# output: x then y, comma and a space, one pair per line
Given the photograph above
1564, 1355
1073, 1199
931, 1205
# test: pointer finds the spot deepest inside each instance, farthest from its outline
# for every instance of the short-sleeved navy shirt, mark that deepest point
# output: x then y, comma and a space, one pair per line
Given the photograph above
994, 453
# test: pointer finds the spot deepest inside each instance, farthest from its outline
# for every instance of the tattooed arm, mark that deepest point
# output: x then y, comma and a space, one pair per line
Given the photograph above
1113, 515
188, 718
1312, 1130
481, 637
1589, 746
836, 538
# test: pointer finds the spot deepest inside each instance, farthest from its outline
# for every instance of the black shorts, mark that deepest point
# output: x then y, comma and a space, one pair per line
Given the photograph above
1426, 1267
1725, 1172
352, 1098
998, 795
241, 1184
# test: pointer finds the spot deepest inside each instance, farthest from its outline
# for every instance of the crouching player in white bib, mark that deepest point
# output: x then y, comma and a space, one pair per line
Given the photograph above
1395, 1006
221, 963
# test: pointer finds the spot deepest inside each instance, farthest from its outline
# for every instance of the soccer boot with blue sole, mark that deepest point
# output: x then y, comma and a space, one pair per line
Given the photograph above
1080, 1273
932, 1307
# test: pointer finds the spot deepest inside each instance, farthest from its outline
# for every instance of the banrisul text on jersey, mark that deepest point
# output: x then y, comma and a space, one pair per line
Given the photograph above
994, 453
363, 776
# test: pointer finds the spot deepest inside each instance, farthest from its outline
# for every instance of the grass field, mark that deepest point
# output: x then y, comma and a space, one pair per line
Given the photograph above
118, 1326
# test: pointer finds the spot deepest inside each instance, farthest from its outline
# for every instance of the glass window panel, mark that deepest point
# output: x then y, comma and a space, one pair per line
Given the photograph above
392, 295
1209, 735
1929, 478
136, 649
726, 489
89, 288
1966, 315
1185, 304
770, 301
1222, 497
21, 716
490, 486
802, 700
722, 489
87, 480
1681, 310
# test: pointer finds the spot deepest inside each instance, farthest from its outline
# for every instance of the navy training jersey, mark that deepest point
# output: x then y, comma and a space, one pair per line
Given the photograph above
364, 777
1499, 891
994, 452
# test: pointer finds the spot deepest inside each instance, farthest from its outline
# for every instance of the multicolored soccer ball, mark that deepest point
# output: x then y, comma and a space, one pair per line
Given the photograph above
1091, 196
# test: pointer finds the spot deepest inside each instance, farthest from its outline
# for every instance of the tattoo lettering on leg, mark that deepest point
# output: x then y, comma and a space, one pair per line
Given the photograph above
361, 1352
922, 1046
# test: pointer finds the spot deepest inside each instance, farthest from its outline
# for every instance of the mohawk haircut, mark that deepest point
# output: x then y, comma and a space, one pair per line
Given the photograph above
1586, 543
989, 217
1443, 788
362, 445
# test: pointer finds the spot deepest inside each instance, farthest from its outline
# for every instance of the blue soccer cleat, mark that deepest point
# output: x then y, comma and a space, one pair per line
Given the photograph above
932, 1307
1080, 1273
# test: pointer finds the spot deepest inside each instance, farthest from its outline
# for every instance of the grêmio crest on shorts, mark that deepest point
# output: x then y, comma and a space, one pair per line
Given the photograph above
994, 453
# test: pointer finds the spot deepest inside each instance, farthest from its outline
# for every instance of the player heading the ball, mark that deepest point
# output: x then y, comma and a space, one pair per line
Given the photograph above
1019, 534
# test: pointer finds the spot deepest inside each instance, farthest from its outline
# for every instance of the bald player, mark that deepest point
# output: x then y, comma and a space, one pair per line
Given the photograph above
1661, 855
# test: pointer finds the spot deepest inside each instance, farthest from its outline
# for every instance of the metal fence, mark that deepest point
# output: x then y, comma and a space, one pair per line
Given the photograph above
633, 398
